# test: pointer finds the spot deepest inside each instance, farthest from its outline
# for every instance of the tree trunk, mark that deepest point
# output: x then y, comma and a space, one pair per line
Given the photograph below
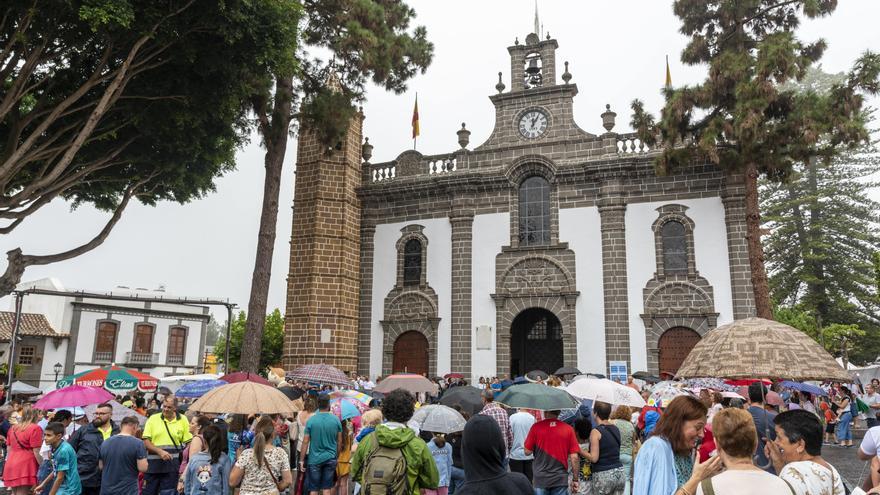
817, 290
760, 286
275, 135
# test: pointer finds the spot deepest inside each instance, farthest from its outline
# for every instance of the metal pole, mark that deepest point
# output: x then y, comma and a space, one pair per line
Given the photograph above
10, 363
228, 335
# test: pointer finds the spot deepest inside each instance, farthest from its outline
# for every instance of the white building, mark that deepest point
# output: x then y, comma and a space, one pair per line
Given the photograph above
158, 338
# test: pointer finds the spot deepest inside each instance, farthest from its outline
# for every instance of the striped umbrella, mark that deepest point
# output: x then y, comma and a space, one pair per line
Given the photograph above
113, 378
320, 373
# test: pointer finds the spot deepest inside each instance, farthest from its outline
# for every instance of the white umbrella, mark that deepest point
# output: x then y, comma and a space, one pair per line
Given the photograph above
22, 388
605, 390
175, 382
438, 418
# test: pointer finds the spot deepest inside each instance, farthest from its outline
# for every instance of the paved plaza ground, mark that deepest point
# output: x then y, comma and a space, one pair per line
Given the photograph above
847, 461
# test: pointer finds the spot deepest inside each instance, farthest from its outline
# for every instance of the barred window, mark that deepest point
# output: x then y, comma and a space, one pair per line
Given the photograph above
675, 255
534, 212
26, 355
412, 262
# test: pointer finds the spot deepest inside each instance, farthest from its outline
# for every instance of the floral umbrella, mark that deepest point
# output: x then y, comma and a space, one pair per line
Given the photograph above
114, 378
664, 392
347, 408
352, 394
711, 383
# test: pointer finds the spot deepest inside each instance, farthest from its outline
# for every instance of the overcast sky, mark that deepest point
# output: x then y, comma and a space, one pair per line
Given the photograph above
615, 51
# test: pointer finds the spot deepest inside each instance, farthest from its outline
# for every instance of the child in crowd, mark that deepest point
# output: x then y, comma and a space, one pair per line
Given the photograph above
442, 454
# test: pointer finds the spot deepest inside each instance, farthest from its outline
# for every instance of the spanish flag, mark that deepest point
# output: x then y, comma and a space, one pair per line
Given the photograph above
668, 74
415, 118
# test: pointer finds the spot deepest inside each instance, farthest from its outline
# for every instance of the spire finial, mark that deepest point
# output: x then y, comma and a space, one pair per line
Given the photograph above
537, 22
500, 85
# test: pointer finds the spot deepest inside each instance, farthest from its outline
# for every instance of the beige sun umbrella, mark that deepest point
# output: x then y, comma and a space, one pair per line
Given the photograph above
759, 348
244, 398
409, 382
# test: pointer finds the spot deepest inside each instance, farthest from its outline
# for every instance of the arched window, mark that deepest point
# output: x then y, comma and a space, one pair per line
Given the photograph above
412, 262
534, 212
675, 255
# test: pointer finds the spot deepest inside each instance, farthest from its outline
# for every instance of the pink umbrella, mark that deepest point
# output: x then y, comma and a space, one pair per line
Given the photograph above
73, 396
245, 376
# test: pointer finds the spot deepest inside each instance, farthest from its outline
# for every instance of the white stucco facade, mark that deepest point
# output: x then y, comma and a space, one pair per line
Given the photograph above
490, 233
581, 229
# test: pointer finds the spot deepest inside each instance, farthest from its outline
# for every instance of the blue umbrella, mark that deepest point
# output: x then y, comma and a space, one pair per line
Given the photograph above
197, 389
803, 387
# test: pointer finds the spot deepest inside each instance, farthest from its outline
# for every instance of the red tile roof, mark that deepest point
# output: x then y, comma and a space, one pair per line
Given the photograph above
32, 324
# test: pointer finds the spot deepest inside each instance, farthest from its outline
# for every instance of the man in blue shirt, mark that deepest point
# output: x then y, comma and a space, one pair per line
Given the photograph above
123, 456
65, 476
323, 436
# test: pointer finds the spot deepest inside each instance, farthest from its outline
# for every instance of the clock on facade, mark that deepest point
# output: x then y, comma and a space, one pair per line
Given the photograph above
532, 124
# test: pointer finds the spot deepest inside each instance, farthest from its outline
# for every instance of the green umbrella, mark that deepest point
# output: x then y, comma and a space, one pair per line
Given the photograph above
536, 396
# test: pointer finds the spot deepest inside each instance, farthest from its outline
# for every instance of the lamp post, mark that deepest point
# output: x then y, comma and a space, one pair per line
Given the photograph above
57, 369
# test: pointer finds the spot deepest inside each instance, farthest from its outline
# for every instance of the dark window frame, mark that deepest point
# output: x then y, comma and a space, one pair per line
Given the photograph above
412, 262
674, 242
534, 212
31, 356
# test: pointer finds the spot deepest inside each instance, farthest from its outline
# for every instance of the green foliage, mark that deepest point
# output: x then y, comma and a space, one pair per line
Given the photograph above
369, 40
17, 370
742, 113
272, 343
174, 123
834, 336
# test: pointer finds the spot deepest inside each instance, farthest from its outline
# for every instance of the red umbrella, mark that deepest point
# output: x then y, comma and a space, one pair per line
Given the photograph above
457, 376
245, 376
747, 382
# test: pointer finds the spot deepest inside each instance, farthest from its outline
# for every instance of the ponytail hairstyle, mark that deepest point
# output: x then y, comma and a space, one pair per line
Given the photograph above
347, 434
263, 433
212, 436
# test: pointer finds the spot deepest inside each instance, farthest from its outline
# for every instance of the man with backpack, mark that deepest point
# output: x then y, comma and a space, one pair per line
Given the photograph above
393, 460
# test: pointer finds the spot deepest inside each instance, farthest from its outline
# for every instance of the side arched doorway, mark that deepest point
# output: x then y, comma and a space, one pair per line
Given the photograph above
535, 342
410, 353
674, 345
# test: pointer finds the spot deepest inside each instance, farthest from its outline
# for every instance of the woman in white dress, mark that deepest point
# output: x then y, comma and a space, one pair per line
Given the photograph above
797, 455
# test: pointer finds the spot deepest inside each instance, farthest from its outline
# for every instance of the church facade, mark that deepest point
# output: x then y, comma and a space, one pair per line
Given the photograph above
545, 246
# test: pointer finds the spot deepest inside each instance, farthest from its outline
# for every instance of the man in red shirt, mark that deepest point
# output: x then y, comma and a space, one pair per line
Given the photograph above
554, 445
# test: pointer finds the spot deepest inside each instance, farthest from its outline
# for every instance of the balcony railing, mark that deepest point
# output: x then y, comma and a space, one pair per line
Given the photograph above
142, 357
175, 360
103, 357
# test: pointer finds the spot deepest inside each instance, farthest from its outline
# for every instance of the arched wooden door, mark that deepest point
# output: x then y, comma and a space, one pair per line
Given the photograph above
675, 344
410, 353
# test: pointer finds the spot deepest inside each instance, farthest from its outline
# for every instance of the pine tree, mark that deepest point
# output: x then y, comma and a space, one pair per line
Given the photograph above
742, 117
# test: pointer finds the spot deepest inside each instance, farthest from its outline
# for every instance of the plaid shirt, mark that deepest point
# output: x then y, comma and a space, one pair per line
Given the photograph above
496, 412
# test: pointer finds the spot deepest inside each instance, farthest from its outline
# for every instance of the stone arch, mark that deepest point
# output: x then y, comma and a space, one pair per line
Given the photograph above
536, 274
408, 233
679, 297
406, 310
528, 165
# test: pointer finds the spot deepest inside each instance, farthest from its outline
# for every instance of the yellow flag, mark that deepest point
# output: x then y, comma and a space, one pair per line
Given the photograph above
415, 118
668, 74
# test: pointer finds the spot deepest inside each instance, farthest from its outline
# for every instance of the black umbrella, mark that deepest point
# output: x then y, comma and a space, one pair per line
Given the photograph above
536, 375
292, 393
567, 370
643, 375
467, 398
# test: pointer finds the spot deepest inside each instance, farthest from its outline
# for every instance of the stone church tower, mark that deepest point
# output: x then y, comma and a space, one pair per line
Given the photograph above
321, 321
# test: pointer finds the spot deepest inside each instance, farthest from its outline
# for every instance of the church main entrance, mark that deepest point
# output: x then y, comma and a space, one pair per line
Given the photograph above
675, 344
535, 342
410, 353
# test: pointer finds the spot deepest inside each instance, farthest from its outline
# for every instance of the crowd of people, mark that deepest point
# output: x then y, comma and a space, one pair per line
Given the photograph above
696, 444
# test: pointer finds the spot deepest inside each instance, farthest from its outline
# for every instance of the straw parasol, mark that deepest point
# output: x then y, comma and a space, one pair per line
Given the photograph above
244, 398
755, 347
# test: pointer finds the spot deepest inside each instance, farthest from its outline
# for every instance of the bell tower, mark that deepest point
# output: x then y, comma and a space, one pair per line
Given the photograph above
323, 283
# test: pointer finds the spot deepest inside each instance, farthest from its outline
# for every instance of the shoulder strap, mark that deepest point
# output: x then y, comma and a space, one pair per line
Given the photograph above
789, 486
165, 423
707, 487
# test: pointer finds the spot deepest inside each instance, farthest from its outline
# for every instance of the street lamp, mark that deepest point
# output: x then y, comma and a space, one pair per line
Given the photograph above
57, 369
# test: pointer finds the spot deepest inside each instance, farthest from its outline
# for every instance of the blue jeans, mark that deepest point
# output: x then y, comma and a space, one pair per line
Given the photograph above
44, 471
456, 479
556, 490
321, 476
844, 432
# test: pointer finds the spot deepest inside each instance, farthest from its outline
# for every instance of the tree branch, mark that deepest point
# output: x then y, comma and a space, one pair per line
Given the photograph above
18, 262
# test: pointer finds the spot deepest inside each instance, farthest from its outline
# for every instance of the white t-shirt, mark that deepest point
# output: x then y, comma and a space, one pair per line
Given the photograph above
811, 478
751, 482
871, 442
520, 424
870, 400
